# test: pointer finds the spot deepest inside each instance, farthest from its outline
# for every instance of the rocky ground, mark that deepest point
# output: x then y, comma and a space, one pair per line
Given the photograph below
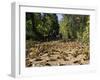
56, 53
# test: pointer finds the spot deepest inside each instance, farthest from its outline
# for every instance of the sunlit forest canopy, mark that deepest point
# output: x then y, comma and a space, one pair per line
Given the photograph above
55, 26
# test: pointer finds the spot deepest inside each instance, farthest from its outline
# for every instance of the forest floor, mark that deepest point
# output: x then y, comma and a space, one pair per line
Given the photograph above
56, 53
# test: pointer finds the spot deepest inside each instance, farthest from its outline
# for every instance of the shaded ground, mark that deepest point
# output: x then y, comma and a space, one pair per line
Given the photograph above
56, 53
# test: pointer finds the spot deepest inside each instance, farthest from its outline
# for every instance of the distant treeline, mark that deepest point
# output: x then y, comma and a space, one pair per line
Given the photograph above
47, 27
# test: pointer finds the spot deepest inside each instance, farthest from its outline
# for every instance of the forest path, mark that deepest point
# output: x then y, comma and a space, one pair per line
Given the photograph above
56, 53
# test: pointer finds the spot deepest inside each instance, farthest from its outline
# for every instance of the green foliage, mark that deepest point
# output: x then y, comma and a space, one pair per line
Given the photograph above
29, 29
75, 27
42, 25
46, 26
67, 27
86, 32
64, 28
51, 26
